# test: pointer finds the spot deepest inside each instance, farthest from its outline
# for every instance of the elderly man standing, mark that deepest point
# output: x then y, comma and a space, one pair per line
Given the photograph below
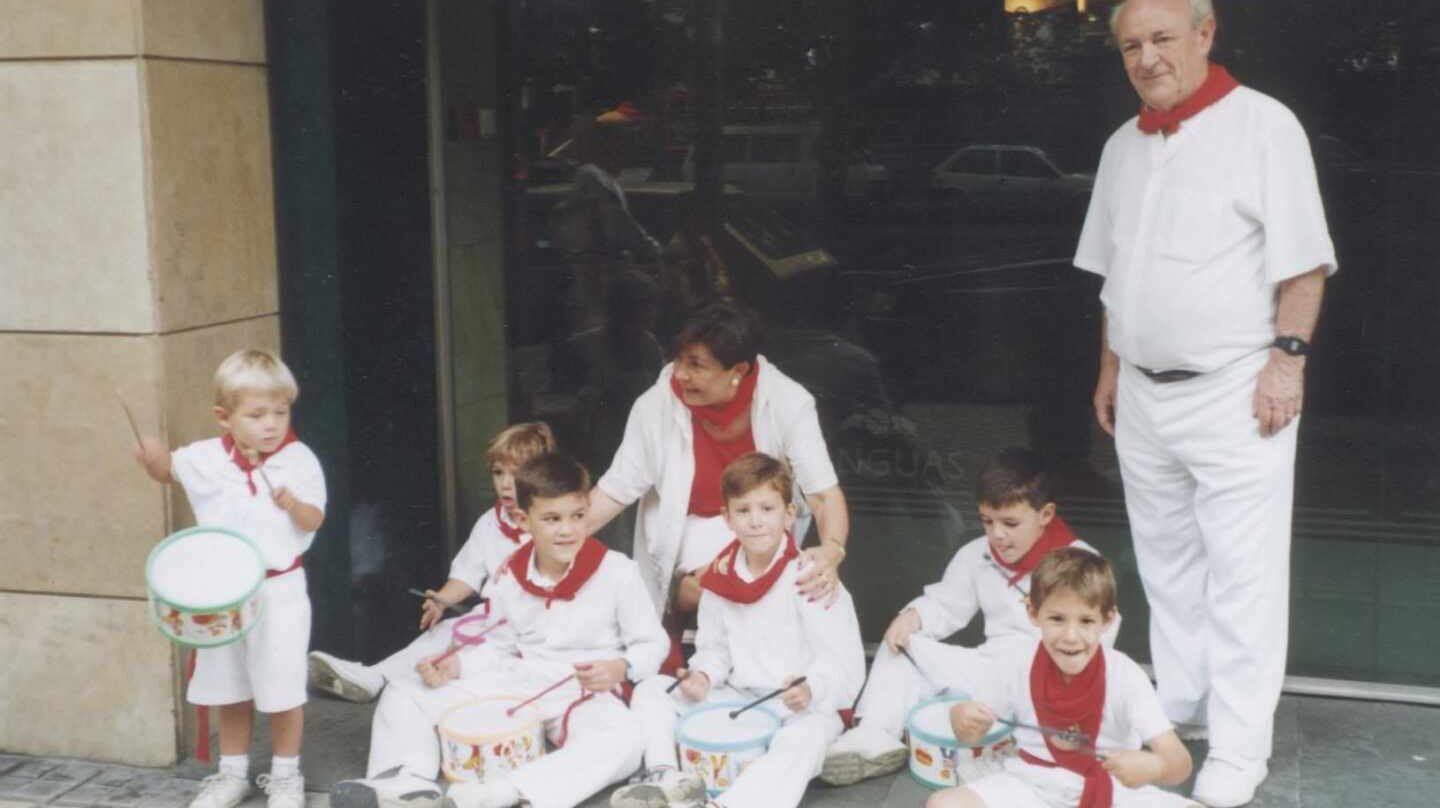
1207, 226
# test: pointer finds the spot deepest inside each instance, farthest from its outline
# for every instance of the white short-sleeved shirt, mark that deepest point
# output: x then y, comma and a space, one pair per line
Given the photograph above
1131, 716
485, 550
220, 495
974, 582
1192, 232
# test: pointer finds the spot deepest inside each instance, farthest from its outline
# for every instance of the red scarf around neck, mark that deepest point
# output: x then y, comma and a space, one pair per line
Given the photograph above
511, 532
721, 416
1057, 534
227, 442
1218, 84
723, 575
587, 561
1076, 705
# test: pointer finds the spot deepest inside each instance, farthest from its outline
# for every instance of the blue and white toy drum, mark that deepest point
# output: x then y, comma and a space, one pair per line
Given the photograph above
938, 760
716, 747
204, 586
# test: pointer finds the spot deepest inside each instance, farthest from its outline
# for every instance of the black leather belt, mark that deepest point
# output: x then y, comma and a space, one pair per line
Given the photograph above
1168, 376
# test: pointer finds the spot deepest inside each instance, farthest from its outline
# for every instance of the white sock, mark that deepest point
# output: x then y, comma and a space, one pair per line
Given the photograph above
235, 765
284, 766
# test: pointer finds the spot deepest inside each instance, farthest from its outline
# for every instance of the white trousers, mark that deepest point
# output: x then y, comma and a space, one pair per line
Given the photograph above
268, 664
1210, 504
1023, 785
778, 778
602, 746
400, 666
894, 686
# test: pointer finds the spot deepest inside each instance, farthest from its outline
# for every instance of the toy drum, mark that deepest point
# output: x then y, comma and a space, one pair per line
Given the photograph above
716, 747
478, 740
938, 760
204, 586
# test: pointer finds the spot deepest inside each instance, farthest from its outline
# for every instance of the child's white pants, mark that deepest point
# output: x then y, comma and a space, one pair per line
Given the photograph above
895, 686
1210, 505
602, 746
778, 778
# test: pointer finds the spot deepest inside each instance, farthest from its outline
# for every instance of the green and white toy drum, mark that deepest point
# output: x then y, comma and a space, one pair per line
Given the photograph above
204, 586
938, 760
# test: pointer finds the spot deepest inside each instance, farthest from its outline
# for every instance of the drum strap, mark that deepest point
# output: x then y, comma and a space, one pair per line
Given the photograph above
294, 565
565, 719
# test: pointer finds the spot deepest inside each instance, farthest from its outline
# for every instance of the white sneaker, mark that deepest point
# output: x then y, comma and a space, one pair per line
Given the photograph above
283, 792
860, 754
394, 788
660, 787
221, 790
499, 794
350, 681
1226, 783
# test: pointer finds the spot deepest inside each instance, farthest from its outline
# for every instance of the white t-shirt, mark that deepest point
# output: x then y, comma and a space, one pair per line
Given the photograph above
1131, 716
973, 582
1192, 232
757, 646
220, 496
485, 550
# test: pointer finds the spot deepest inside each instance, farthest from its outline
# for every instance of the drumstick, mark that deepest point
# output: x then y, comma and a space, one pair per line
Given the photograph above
943, 691
129, 416
449, 607
676, 683
510, 712
253, 455
768, 696
1072, 736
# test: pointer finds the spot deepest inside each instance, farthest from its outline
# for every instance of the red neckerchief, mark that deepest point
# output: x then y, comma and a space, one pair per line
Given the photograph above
511, 532
1057, 534
592, 552
723, 576
722, 416
227, 442
1217, 84
1076, 705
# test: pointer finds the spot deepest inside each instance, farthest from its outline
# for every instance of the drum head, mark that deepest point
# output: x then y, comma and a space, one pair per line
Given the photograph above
930, 721
204, 568
710, 727
484, 719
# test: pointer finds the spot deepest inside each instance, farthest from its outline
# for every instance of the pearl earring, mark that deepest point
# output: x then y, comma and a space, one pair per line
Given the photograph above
734, 381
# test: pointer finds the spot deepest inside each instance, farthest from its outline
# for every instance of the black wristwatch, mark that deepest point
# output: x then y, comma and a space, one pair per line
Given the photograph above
1293, 346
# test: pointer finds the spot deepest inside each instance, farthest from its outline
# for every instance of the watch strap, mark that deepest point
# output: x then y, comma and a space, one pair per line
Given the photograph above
1294, 346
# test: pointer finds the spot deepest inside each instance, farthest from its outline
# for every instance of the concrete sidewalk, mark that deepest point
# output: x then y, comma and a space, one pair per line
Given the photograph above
1329, 753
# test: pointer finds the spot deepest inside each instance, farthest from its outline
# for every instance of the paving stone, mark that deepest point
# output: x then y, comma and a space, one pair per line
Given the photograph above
8, 762
73, 771
9, 804
123, 798
114, 776
43, 790
85, 795
10, 784
34, 767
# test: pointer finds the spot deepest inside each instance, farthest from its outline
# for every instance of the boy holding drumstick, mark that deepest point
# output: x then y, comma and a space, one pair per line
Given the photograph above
990, 575
496, 534
259, 481
1071, 683
577, 623
756, 633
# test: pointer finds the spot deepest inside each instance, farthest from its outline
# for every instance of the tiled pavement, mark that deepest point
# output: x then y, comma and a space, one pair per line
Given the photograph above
1329, 753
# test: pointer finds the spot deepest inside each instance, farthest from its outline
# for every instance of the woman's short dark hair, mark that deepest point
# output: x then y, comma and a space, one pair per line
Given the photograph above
730, 331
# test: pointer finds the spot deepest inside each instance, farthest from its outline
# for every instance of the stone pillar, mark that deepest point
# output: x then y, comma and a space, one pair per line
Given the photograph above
137, 249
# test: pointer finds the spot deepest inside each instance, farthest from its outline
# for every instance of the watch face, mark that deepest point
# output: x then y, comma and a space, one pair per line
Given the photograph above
1293, 346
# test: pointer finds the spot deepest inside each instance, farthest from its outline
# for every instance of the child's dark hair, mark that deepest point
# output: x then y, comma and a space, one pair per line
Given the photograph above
1076, 570
749, 472
548, 476
1015, 475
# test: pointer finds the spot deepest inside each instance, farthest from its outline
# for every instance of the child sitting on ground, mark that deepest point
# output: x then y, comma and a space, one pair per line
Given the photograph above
1015, 494
1070, 681
574, 614
259, 481
495, 536
756, 633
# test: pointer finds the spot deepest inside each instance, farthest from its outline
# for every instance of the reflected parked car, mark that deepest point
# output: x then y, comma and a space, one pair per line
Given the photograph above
1022, 182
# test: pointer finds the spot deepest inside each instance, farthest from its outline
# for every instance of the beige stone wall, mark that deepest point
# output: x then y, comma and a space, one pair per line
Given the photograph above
137, 248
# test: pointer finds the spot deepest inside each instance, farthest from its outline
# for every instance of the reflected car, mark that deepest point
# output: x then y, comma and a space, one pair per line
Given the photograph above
1008, 181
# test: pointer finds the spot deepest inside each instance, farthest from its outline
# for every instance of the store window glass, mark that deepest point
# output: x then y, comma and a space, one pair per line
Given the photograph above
927, 298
